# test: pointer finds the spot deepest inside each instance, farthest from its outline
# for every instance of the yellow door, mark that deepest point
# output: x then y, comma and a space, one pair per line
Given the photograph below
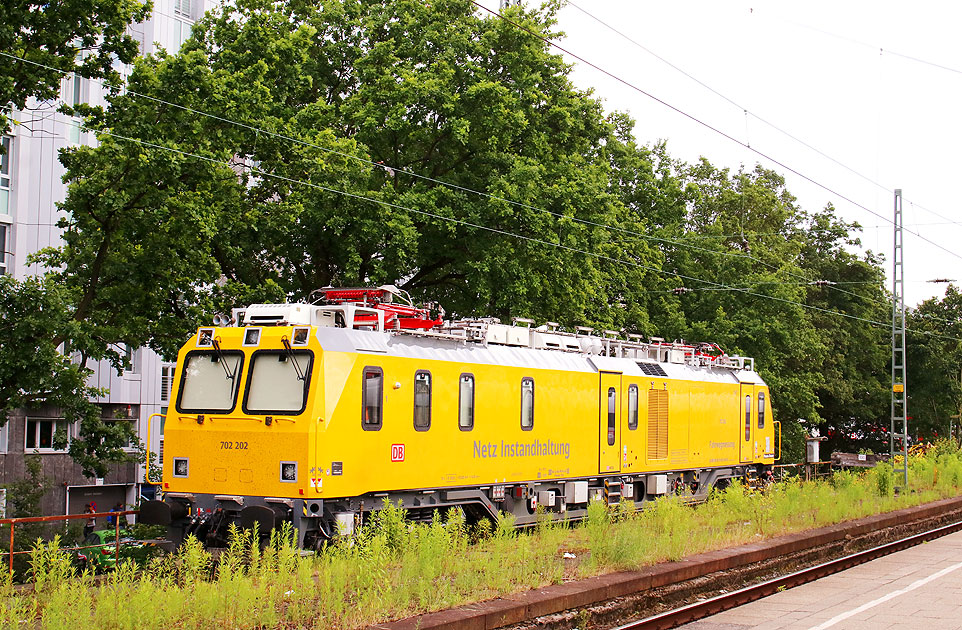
747, 433
609, 422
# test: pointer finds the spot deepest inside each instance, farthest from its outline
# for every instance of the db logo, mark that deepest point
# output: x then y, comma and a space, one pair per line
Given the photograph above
397, 452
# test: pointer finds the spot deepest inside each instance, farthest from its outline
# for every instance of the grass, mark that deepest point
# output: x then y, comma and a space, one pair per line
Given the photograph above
392, 569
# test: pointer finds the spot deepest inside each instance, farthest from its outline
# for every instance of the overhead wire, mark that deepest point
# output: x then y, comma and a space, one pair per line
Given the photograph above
693, 235
502, 232
716, 130
704, 124
381, 165
372, 163
881, 49
727, 99
441, 182
259, 130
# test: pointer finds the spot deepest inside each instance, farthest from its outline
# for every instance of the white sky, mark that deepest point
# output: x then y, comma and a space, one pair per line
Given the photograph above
829, 73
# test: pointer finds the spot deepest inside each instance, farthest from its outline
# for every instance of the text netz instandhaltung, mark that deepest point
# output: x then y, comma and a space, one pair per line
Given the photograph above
519, 449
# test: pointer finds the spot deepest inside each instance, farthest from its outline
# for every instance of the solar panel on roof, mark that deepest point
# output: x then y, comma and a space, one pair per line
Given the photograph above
652, 369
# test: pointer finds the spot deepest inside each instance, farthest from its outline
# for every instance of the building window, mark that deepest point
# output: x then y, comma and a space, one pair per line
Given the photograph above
3, 249
5, 169
132, 356
131, 445
182, 8
372, 396
422, 400
74, 96
761, 410
40, 434
184, 22
166, 382
527, 403
160, 443
4, 435
466, 402
632, 407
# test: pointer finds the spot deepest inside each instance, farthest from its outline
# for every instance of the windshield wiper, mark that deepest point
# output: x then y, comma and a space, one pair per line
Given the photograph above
292, 357
222, 358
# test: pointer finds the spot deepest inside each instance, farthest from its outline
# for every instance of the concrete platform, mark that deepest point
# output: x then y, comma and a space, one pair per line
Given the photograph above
916, 589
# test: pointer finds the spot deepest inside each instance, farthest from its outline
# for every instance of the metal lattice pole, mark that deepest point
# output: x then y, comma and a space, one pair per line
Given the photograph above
899, 425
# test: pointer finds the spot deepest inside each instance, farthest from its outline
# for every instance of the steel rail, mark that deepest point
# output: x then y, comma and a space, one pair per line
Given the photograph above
700, 610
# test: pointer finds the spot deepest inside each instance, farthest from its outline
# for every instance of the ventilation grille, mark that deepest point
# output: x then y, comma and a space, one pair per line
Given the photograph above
652, 369
657, 424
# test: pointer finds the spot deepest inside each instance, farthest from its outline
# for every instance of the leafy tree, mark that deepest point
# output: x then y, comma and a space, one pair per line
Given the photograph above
336, 90
44, 40
176, 215
644, 180
853, 391
746, 236
934, 363
366, 129
33, 371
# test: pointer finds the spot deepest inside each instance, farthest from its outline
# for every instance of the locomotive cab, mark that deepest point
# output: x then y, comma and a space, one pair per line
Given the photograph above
249, 401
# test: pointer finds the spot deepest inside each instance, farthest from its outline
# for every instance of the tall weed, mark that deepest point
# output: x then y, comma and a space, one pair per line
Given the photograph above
50, 566
884, 479
393, 568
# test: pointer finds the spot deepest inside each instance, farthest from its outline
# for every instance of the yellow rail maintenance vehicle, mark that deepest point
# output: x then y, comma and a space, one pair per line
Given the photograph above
318, 414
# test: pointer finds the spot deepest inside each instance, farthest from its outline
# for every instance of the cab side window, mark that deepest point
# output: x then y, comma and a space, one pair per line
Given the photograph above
527, 403
422, 400
748, 418
632, 407
466, 402
761, 410
372, 397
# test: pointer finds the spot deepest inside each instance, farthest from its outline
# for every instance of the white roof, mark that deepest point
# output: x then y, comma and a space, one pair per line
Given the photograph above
458, 351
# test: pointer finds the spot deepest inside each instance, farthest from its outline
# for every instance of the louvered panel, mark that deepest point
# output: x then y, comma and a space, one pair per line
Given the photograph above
183, 8
657, 424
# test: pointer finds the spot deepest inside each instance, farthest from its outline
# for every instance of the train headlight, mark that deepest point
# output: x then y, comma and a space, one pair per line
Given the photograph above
289, 472
300, 336
205, 338
181, 467
252, 336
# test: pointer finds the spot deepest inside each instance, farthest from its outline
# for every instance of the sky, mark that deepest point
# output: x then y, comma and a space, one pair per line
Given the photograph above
873, 88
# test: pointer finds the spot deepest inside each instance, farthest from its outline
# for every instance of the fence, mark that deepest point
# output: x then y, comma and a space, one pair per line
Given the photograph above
13, 522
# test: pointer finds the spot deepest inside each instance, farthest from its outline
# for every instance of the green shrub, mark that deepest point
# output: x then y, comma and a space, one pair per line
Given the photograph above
884, 478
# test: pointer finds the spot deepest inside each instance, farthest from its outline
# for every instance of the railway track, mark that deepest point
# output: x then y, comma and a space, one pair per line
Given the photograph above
671, 594
706, 608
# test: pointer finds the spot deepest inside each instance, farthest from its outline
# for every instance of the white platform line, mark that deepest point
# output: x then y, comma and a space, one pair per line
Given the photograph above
881, 600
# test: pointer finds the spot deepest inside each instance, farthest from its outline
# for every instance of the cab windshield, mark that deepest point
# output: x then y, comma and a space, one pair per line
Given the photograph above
278, 381
209, 382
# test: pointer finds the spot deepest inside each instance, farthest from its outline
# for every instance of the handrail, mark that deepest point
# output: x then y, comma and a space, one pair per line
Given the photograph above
147, 453
779, 439
12, 522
